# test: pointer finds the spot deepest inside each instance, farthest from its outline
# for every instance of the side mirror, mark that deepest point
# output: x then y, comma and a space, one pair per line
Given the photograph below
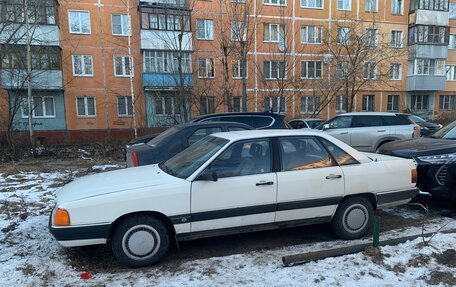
326, 127
207, 175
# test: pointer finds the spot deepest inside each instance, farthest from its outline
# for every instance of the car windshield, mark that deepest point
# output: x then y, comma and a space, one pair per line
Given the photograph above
314, 124
417, 119
164, 135
447, 132
189, 160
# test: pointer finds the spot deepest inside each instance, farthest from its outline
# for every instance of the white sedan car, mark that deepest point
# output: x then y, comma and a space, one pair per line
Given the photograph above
230, 183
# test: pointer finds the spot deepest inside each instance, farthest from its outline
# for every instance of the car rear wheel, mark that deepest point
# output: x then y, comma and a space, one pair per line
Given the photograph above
140, 241
353, 218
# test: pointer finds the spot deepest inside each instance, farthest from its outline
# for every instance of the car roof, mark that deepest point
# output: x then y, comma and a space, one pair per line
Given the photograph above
368, 114
307, 119
237, 114
203, 124
240, 135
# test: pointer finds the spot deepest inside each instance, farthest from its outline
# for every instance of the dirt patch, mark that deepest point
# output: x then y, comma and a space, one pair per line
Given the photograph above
419, 260
374, 254
437, 278
447, 258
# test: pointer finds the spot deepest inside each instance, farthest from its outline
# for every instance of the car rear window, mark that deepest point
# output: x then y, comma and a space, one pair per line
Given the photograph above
367, 121
262, 122
397, 120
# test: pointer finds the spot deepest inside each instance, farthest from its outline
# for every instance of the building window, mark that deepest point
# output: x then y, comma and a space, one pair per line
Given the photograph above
239, 70
429, 67
275, 2
420, 102
370, 71
371, 6
452, 11
238, 31
311, 69
310, 104
79, 22
43, 107
447, 102
344, 4
205, 29
396, 39
341, 104
368, 103
273, 33
85, 106
274, 70
312, 4
120, 25
124, 106
342, 70
428, 34
451, 73
43, 58
206, 68
395, 71
166, 62
371, 37
311, 34
165, 106
237, 104
396, 7
435, 5
452, 41
343, 35
392, 104
43, 12
82, 65
207, 105
165, 21
275, 104
123, 66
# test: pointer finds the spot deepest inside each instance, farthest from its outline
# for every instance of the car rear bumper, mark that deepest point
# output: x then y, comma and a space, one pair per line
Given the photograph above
437, 179
393, 198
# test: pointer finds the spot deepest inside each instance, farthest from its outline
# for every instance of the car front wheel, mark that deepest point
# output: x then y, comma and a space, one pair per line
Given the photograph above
140, 241
353, 218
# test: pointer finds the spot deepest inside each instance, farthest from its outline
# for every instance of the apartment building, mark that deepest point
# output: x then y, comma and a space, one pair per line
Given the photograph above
109, 68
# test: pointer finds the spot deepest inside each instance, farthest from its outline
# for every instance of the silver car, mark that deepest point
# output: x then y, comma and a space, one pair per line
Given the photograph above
367, 131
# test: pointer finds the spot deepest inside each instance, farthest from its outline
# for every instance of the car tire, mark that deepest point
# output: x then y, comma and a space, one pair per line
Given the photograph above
140, 241
353, 218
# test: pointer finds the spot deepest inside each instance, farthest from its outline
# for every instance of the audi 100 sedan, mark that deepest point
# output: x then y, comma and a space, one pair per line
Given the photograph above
230, 183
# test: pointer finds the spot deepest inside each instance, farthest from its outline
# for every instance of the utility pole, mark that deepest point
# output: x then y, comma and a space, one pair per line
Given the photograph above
131, 67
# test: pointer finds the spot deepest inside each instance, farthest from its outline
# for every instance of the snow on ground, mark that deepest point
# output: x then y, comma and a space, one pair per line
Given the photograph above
29, 256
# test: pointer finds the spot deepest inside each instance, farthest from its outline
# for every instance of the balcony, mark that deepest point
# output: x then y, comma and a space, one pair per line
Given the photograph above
168, 3
428, 51
165, 40
429, 17
43, 35
425, 83
41, 79
165, 81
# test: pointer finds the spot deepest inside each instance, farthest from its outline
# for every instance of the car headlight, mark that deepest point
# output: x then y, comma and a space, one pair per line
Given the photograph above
439, 158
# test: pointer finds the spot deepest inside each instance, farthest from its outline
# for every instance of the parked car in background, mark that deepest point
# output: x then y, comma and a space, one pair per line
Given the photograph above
427, 127
257, 120
367, 131
175, 139
231, 183
436, 158
309, 123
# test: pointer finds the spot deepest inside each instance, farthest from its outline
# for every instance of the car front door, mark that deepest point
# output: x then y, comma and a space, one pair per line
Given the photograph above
311, 184
340, 128
245, 190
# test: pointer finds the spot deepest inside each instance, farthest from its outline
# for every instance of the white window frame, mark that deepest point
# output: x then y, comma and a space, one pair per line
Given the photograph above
342, 69
83, 65
126, 114
208, 29
24, 108
280, 108
369, 7
343, 7
395, 76
280, 31
394, 39
394, 100
317, 32
314, 62
236, 28
345, 39
271, 63
451, 72
171, 68
371, 37
340, 100
371, 73
312, 104
401, 7
80, 22
271, 2
162, 99
86, 107
370, 99
241, 107
122, 23
209, 61
238, 75
305, 4
448, 104
452, 42
125, 69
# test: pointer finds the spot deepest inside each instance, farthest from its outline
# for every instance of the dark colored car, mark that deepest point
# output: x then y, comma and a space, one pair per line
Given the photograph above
427, 128
175, 139
305, 123
436, 158
257, 120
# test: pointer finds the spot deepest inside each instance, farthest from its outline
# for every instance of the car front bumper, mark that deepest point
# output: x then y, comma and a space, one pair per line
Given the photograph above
437, 179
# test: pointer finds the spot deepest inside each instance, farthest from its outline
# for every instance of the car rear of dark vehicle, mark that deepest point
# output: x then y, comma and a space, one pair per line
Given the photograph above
260, 120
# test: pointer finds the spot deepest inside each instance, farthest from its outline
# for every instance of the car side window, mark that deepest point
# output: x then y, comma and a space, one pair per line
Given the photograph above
235, 129
201, 133
367, 121
341, 157
297, 124
299, 153
243, 158
238, 119
341, 122
397, 120
262, 122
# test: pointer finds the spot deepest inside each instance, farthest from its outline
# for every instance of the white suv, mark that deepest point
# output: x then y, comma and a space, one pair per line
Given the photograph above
367, 131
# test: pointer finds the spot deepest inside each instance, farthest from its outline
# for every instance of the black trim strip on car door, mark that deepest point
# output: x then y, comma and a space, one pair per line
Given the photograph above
396, 196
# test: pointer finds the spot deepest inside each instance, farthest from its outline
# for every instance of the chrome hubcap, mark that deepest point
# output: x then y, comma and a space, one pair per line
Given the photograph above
355, 218
141, 242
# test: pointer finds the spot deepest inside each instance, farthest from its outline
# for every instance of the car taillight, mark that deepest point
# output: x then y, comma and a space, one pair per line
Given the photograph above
134, 159
414, 176
416, 128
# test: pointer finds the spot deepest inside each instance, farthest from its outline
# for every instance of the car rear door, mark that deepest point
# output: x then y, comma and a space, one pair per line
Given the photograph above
401, 127
367, 131
310, 183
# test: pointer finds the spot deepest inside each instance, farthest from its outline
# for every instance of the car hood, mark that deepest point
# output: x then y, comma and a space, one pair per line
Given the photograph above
429, 125
114, 181
418, 147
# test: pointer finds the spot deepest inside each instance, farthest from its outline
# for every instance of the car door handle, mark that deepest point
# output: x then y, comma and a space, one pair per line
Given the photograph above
381, 131
334, 176
264, 183
344, 133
